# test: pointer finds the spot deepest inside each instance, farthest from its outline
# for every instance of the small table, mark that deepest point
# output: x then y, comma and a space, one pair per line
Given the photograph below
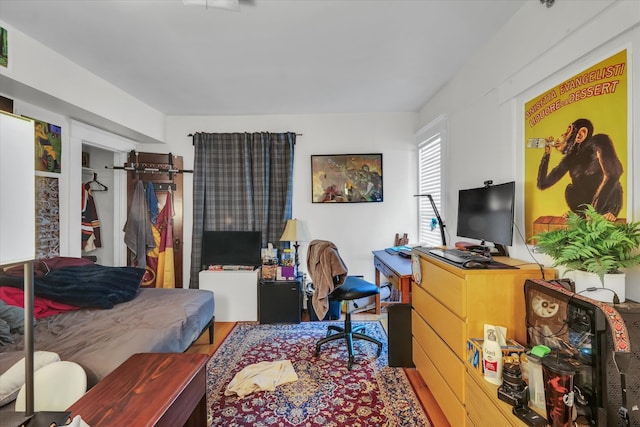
397, 270
149, 389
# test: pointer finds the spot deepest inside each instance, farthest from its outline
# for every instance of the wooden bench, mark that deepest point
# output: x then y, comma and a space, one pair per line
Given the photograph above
149, 389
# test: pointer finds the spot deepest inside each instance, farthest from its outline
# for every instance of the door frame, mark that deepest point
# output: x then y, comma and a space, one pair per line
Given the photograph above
83, 134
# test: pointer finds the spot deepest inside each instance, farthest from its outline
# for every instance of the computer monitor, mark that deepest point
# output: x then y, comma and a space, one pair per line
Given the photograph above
486, 214
231, 248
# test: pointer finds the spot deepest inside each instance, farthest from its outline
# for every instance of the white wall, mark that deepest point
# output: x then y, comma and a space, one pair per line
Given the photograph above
69, 89
538, 48
358, 228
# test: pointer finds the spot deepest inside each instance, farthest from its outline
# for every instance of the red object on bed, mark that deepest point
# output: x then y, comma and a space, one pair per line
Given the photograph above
42, 307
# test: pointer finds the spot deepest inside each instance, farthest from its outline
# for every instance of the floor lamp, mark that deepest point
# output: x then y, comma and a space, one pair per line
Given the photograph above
295, 231
17, 225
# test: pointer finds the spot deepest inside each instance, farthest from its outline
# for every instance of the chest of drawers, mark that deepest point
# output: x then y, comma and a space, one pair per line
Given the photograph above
452, 304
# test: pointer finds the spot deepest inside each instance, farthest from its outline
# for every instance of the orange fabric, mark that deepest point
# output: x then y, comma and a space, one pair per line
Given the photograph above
149, 279
165, 273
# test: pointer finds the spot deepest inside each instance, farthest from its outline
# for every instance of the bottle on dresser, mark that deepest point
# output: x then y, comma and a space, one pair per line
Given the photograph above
492, 358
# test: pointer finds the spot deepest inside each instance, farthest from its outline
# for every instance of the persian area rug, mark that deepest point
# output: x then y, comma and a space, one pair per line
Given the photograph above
326, 393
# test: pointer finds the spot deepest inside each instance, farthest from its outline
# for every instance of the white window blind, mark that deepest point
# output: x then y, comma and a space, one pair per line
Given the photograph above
429, 182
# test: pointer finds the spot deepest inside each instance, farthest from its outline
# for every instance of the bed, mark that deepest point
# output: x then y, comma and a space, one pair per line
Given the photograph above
100, 339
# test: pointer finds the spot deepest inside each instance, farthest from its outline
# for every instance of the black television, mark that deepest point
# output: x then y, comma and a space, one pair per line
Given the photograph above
486, 214
239, 248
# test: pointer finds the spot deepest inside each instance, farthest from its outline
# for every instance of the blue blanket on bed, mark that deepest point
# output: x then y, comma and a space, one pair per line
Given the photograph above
91, 286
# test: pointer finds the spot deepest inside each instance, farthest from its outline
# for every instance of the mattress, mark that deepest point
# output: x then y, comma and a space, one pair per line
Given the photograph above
156, 320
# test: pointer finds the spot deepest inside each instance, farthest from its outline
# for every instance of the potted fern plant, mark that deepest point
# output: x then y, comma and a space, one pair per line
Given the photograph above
596, 249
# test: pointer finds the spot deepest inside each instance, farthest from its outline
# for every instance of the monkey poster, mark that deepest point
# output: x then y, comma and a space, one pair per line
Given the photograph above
576, 146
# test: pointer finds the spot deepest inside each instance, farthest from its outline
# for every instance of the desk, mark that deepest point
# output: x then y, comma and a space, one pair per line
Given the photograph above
149, 389
397, 270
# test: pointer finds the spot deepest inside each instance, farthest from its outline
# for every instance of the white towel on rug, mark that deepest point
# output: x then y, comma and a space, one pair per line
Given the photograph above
261, 376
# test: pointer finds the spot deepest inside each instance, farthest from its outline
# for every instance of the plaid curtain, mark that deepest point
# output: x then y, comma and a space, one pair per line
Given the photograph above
241, 182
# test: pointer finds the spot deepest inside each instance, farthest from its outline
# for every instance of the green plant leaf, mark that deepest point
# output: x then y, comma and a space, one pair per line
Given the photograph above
592, 243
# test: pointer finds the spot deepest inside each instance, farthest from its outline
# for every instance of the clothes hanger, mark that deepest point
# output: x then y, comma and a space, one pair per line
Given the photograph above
102, 186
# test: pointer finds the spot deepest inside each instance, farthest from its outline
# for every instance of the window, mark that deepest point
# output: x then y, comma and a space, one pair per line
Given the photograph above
430, 148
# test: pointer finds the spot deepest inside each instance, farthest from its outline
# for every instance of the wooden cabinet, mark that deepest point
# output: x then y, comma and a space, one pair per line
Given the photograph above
452, 304
236, 294
483, 406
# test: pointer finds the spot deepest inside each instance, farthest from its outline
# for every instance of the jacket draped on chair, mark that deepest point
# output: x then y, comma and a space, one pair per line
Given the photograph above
324, 264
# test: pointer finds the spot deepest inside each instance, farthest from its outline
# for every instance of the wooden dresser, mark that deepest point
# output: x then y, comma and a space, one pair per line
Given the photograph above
452, 304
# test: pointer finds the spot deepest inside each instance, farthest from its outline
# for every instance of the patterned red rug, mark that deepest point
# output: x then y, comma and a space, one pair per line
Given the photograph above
326, 393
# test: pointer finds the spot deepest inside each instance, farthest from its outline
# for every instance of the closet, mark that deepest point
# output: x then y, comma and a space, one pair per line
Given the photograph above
97, 179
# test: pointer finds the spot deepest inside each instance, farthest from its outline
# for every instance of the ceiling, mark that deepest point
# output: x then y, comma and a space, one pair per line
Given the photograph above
271, 56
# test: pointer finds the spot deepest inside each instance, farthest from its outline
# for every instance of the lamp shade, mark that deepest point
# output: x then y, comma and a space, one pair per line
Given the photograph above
17, 224
17, 188
295, 231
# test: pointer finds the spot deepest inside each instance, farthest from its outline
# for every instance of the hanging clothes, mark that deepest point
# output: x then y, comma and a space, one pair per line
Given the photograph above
90, 224
137, 231
160, 259
150, 276
166, 274
152, 201
149, 279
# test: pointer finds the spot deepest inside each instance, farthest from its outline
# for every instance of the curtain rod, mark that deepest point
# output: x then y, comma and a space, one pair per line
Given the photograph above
194, 143
297, 134
149, 170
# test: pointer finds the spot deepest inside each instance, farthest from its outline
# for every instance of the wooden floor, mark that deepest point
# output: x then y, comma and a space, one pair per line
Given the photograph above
222, 329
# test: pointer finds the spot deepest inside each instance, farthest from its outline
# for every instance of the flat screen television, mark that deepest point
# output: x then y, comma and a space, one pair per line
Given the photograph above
231, 248
486, 214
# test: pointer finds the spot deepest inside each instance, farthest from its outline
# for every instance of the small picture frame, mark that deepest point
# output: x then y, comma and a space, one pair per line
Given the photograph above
346, 178
4, 47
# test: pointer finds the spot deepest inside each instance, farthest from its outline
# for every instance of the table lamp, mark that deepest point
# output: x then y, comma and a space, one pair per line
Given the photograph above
295, 231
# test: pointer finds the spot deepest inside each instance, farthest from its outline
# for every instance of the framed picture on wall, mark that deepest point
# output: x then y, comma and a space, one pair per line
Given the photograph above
48, 142
4, 47
346, 178
580, 133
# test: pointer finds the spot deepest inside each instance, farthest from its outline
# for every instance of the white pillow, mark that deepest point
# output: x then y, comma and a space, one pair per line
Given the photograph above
13, 379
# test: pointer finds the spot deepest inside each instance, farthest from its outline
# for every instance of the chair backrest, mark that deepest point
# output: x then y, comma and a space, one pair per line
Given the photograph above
56, 387
324, 263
